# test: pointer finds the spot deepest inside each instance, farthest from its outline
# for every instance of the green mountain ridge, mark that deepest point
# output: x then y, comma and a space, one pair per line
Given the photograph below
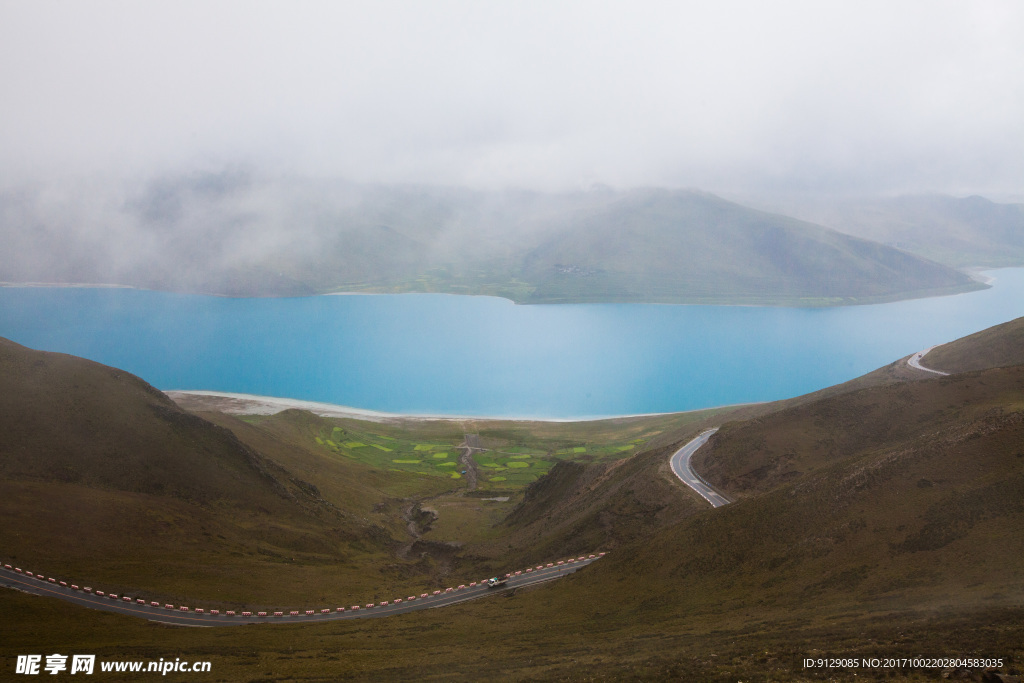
245, 235
667, 246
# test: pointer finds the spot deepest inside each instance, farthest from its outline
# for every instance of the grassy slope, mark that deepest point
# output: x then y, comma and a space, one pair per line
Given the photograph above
103, 478
858, 557
758, 455
900, 535
997, 346
289, 438
928, 516
531, 636
906, 520
600, 499
209, 507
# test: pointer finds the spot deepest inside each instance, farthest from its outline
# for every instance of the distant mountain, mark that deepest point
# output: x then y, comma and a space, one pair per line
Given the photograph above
676, 246
960, 232
239, 234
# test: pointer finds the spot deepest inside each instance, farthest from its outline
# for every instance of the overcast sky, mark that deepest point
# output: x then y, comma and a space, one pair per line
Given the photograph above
725, 96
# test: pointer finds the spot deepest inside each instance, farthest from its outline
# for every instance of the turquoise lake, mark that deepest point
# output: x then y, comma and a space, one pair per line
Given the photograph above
482, 356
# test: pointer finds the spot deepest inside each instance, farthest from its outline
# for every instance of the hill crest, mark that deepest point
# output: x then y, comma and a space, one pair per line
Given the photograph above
257, 236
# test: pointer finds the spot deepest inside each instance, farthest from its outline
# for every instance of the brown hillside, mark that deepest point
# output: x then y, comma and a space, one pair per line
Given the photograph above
757, 455
999, 346
885, 521
66, 419
910, 547
580, 507
104, 478
933, 514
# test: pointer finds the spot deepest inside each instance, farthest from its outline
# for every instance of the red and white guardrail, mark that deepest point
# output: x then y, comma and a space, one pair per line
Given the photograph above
292, 613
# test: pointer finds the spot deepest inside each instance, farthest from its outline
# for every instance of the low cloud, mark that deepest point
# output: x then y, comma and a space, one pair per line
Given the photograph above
741, 96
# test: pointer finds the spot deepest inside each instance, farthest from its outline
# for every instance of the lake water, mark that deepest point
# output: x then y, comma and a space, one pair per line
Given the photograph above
454, 355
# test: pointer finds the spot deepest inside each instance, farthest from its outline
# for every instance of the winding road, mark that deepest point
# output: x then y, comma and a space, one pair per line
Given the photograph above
680, 464
185, 616
915, 361
680, 461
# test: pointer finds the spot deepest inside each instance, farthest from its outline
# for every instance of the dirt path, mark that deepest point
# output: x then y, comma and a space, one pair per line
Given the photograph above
417, 518
417, 522
472, 443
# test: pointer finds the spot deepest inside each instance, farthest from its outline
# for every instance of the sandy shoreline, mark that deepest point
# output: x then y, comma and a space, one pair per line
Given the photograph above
250, 404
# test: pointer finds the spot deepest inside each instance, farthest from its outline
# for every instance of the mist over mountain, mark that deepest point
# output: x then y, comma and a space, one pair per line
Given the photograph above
238, 232
956, 231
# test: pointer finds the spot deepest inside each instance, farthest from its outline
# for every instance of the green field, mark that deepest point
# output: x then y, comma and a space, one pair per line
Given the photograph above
512, 459
434, 445
371, 447
511, 471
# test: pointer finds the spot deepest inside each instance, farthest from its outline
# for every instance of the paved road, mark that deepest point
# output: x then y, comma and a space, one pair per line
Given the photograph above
915, 361
42, 586
680, 463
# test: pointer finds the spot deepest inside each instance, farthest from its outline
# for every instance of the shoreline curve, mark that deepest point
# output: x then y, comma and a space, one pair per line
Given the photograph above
254, 404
